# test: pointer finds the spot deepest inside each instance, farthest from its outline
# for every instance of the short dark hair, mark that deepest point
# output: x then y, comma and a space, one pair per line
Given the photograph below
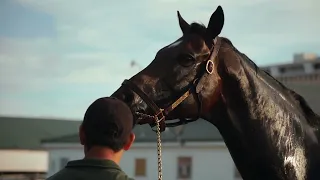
107, 122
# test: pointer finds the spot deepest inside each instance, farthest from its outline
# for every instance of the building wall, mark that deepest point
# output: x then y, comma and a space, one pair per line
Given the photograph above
207, 160
18, 160
294, 69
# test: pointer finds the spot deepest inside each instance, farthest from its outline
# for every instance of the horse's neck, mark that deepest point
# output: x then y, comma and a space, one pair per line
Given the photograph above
250, 156
264, 126
237, 145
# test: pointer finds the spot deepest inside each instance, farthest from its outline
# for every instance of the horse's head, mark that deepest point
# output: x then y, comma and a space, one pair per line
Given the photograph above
182, 81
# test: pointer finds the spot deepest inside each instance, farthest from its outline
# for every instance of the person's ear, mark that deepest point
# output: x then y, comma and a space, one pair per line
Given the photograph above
82, 135
130, 142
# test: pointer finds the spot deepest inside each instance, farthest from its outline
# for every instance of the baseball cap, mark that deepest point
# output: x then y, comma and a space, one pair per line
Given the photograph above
107, 120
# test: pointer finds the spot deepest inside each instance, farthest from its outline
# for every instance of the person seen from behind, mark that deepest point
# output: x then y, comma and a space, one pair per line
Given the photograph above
105, 133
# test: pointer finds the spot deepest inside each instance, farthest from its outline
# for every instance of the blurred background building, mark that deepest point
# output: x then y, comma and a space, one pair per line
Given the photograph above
21, 153
304, 69
36, 148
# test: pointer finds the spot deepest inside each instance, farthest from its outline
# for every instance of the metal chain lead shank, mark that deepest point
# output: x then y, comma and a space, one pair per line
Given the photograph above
159, 149
158, 142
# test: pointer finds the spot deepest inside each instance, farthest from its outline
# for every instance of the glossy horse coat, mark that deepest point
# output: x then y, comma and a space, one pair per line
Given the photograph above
270, 131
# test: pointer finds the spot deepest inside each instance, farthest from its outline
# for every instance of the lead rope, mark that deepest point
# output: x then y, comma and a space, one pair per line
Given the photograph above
158, 141
159, 149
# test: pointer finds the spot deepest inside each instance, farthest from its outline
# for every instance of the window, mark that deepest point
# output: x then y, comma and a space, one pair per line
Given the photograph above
184, 167
316, 66
292, 70
63, 162
140, 167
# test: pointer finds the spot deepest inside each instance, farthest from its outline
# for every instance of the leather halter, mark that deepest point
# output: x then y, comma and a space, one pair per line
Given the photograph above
159, 113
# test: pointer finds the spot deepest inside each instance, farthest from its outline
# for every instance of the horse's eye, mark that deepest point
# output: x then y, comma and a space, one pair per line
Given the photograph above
186, 60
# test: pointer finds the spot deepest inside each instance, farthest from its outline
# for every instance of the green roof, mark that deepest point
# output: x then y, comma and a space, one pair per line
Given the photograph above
200, 130
26, 133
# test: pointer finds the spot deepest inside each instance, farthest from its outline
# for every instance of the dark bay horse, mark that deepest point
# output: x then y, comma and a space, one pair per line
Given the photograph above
270, 131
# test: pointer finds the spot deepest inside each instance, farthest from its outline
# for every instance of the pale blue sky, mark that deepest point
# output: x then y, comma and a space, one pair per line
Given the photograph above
57, 56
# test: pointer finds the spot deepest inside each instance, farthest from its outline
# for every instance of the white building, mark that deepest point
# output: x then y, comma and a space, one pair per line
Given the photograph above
21, 154
198, 153
305, 68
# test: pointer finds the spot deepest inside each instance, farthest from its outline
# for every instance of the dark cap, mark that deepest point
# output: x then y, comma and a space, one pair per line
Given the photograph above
107, 119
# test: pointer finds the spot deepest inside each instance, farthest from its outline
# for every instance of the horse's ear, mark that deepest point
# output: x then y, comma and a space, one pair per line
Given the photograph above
215, 24
184, 26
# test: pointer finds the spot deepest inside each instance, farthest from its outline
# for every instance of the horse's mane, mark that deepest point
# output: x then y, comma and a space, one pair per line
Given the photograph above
312, 118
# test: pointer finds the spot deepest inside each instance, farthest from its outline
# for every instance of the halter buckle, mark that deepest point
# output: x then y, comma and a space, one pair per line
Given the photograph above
209, 66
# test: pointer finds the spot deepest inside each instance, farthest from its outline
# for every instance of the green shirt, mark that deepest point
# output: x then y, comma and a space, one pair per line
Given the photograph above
90, 169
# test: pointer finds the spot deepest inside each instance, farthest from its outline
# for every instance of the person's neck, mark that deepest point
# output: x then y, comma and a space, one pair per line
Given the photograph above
103, 153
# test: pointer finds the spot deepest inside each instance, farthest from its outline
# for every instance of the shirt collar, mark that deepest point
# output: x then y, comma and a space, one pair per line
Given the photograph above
99, 163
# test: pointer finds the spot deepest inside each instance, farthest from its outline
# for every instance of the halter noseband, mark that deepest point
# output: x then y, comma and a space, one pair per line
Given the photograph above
160, 114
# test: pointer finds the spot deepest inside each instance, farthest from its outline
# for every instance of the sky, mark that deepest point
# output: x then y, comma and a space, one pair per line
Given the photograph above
58, 56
